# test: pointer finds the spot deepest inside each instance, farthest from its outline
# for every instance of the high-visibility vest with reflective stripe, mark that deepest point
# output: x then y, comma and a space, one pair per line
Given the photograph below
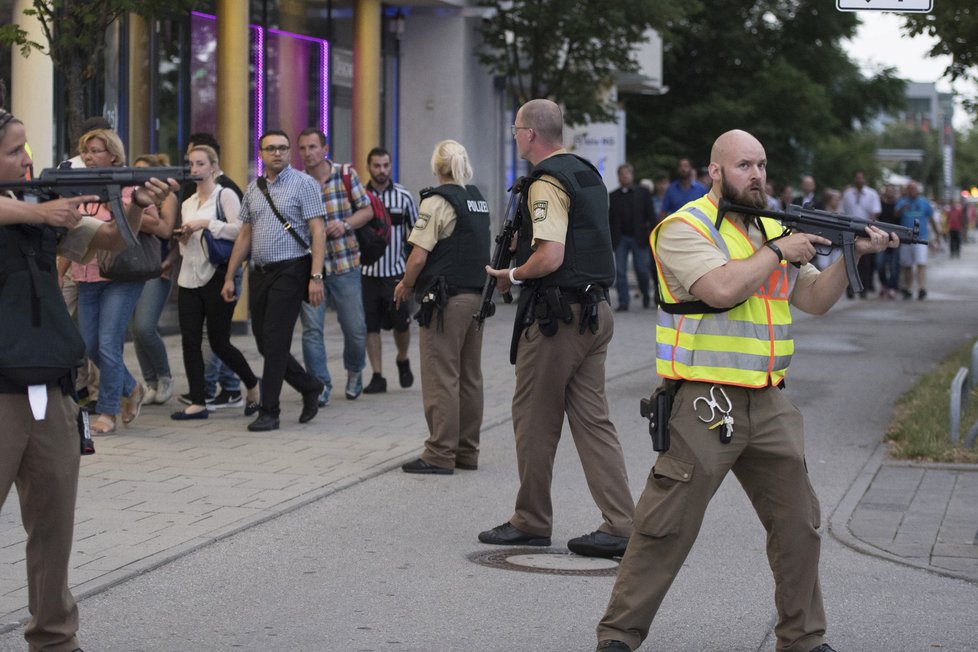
749, 345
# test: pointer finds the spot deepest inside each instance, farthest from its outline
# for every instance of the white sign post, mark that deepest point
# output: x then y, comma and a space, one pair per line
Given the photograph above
895, 6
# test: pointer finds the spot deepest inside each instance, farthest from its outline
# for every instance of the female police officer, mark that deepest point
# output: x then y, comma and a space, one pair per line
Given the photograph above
39, 347
446, 272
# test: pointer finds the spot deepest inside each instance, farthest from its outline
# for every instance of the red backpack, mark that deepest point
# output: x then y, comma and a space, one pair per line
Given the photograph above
374, 236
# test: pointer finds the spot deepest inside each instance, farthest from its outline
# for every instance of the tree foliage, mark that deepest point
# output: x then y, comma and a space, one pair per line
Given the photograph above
568, 51
75, 31
954, 23
775, 68
966, 159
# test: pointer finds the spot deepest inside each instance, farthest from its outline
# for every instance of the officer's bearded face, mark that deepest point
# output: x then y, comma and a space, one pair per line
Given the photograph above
749, 193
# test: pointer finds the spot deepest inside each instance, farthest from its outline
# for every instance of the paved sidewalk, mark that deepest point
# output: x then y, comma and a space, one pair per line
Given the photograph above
921, 515
159, 489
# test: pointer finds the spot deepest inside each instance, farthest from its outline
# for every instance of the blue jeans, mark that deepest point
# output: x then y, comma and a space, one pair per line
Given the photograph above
144, 327
888, 266
641, 259
345, 293
215, 371
104, 309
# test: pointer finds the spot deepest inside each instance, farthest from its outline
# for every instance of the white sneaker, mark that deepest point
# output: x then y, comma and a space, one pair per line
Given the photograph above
164, 390
150, 394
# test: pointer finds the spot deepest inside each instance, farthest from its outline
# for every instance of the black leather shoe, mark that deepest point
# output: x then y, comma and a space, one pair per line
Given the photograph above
377, 385
264, 423
612, 646
310, 405
507, 535
598, 544
466, 467
824, 647
183, 415
404, 375
420, 466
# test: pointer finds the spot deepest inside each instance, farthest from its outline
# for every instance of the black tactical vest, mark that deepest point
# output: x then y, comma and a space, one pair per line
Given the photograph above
588, 255
461, 257
39, 343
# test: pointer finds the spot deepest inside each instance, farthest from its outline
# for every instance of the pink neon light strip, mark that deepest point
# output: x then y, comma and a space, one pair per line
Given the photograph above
258, 122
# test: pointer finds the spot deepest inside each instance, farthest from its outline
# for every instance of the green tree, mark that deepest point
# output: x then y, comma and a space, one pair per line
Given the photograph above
75, 31
775, 68
569, 52
954, 23
966, 159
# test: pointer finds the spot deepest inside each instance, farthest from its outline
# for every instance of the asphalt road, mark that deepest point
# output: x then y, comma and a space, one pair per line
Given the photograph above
382, 565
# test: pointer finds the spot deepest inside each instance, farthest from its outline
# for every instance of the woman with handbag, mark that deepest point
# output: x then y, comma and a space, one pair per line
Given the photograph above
144, 328
106, 305
210, 225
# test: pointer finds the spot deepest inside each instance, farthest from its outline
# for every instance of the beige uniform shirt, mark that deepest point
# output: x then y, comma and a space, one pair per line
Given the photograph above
436, 221
686, 256
549, 206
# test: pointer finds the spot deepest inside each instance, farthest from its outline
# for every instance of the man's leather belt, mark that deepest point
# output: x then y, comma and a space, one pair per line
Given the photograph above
278, 264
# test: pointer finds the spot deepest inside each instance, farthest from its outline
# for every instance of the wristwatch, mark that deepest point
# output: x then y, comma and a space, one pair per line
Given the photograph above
316, 277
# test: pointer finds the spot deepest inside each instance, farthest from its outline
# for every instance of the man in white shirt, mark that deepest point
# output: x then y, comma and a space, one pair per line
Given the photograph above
859, 200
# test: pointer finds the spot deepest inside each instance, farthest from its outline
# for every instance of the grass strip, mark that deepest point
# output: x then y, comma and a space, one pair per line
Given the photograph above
921, 419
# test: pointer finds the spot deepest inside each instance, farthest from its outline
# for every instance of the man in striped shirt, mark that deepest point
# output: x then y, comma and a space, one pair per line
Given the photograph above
380, 278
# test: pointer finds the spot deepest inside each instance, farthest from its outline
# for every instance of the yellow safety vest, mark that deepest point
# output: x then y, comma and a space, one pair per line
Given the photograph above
748, 345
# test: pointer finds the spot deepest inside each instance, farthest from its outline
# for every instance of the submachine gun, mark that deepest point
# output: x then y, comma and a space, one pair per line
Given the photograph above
107, 183
840, 229
501, 255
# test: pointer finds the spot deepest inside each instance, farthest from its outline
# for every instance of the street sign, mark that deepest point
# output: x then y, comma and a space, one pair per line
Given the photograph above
896, 6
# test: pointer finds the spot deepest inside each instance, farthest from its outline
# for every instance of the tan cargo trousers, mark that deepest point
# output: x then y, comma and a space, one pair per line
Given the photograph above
451, 383
558, 375
767, 456
41, 457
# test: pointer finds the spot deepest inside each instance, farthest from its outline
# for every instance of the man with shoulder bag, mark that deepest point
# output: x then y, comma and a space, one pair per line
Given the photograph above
282, 231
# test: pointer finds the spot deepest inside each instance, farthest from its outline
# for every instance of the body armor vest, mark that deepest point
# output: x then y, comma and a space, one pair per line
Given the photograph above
39, 343
461, 257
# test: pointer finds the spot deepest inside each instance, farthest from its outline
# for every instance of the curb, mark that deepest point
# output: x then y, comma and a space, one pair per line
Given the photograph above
838, 525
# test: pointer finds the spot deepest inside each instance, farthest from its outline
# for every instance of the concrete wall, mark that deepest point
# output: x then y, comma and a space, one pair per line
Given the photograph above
446, 93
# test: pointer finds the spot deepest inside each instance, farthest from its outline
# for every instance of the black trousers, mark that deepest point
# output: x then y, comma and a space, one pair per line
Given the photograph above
205, 304
276, 296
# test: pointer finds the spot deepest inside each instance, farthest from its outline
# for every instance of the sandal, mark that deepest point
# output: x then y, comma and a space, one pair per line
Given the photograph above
132, 404
103, 425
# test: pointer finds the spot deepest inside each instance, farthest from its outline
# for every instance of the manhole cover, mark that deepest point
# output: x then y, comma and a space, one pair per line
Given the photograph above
545, 560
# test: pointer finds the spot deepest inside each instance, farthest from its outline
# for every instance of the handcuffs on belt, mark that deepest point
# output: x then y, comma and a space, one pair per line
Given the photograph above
720, 416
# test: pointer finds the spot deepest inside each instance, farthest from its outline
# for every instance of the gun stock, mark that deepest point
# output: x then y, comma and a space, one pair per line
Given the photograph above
107, 183
501, 254
840, 229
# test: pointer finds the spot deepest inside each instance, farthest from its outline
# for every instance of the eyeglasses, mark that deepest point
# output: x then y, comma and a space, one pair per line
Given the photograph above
275, 149
514, 129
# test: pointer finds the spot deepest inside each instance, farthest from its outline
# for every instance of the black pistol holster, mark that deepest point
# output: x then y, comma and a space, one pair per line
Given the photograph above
435, 297
591, 298
658, 410
550, 307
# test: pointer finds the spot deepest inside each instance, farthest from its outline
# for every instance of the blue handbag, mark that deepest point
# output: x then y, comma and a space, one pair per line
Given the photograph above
218, 249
